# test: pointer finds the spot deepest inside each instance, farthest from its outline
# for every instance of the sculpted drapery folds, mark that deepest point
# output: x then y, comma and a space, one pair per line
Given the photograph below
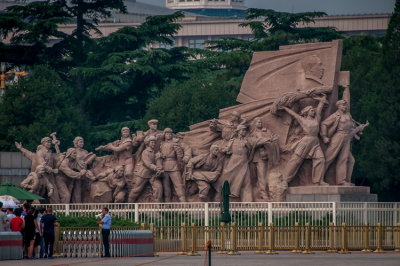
236, 170
146, 171
37, 182
263, 157
122, 154
45, 157
308, 147
171, 153
116, 181
205, 169
338, 130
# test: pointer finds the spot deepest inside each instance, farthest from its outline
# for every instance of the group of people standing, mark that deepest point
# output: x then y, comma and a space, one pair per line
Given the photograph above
36, 227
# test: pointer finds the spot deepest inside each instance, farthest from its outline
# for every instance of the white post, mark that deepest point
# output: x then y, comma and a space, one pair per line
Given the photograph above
67, 210
365, 212
206, 214
136, 212
334, 213
269, 212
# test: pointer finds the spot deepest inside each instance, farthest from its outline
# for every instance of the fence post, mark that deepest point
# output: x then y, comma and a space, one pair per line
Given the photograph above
344, 249
193, 252
366, 238
270, 213
152, 229
136, 218
307, 248
379, 239
397, 238
296, 238
271, 240
233, 240
142, 226
260, 237
334, 212
57, 241
206, 214
66, 209
332, 248
222, 250
183, 239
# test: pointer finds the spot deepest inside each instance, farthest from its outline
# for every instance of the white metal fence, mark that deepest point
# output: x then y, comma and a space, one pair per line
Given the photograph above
244, 214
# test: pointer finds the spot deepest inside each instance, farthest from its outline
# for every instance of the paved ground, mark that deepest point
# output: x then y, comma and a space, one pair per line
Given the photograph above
246, 258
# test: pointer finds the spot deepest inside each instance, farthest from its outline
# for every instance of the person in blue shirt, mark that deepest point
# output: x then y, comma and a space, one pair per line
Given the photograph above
105, 231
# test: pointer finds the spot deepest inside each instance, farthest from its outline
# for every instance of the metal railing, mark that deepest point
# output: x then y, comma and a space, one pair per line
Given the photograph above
244, 214
230, 239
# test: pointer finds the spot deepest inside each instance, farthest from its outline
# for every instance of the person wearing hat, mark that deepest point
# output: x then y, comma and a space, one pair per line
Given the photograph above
308, 146
338, 130
146, 170
171, 153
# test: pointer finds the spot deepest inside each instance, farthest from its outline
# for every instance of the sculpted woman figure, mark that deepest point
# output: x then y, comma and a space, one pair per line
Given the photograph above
308, 146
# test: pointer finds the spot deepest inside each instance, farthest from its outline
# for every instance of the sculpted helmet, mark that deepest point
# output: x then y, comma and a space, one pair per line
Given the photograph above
45, 139
148, 139
152, 121
168, 130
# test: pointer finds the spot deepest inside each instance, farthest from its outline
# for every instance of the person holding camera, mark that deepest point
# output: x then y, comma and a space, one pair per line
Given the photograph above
105, 231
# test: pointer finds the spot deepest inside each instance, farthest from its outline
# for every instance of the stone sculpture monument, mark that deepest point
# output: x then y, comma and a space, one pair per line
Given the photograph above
288, 139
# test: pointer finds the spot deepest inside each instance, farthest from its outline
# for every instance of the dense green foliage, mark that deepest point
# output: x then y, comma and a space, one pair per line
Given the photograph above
85, 221
36, 107
375, 88
93, 87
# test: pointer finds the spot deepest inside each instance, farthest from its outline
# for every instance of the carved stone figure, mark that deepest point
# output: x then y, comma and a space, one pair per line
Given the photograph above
37, 182
308, 147
171, 153
43, 156
146, 170
116, 181
263, 155
227, 128
338, 130
236, 171
205, 169
69, 177
122, 153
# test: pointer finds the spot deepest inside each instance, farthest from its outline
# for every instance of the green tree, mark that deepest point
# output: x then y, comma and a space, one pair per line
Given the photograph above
36, 107
197, 99
122, 72
272, 29
375, 96
32, 25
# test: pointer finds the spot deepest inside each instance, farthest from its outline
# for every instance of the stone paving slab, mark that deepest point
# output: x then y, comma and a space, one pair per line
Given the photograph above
246, 258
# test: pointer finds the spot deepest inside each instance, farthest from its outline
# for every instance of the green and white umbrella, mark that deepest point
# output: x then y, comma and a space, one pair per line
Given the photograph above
17, 192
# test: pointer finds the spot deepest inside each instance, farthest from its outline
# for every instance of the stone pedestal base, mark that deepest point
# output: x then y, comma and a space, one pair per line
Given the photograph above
330, 194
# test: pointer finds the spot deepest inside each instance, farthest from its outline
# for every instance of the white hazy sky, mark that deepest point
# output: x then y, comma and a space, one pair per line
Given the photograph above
331, 7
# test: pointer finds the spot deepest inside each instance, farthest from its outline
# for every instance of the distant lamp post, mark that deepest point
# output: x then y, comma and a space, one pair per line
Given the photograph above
4, 74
